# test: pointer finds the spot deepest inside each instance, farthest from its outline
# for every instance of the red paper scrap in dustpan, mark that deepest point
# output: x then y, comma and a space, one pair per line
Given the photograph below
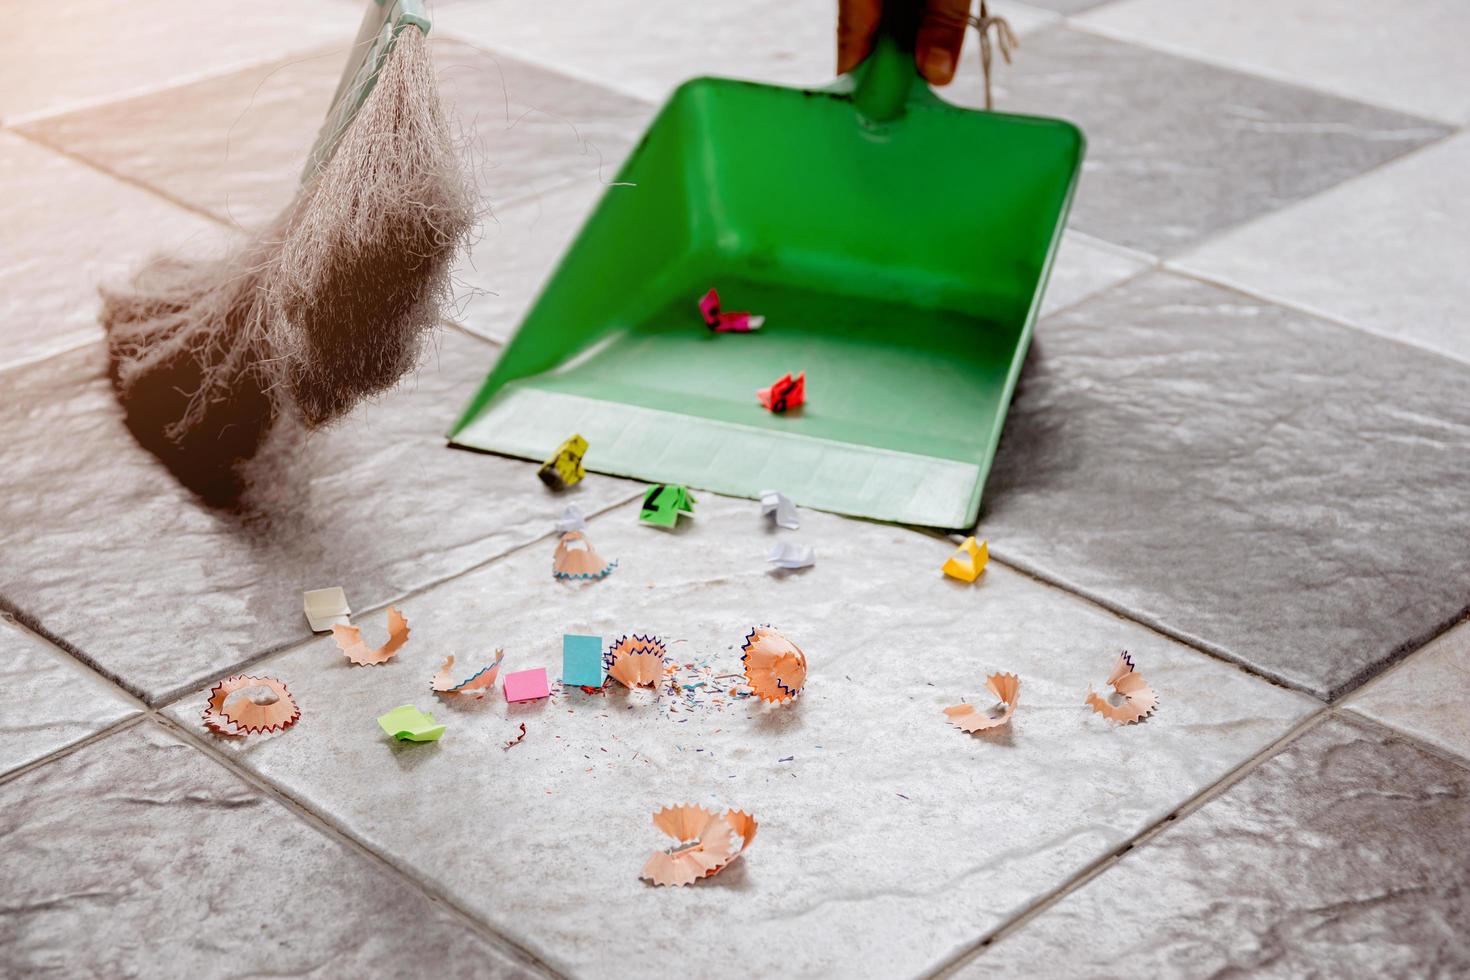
787, 392
735, 322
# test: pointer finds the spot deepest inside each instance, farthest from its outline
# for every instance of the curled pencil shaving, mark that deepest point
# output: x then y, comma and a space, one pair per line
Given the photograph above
518, 738
636, 661
775, 668
706, 843
349, 640
968, 718
1138, 700
576, 559
476, 686
245, 705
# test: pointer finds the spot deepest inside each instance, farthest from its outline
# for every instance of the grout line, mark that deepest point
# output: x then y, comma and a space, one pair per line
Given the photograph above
1190, 805
14, 621
329, 829
1082, 24
460, 35
1196, 643
1352, 715
1367, 686
178, 693
1172, 267
133, 182
81, 743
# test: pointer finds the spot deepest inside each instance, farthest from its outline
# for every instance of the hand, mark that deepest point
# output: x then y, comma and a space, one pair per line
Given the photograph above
936, 50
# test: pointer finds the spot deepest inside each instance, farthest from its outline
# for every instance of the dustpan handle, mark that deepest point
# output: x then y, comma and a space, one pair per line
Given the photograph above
884, 79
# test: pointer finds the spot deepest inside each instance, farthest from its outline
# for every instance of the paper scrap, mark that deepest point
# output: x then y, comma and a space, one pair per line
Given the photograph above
775, 668
636, 661
664, 502
246, 705
969, 561
575, 559
326, 608
969, 718
788, 555
476, 686
349, 640
581, 661
564, 468
779, 508
527, 685
517, 740
705, 843
786, 392
408, 724
572, 519
1135, 699
733, 322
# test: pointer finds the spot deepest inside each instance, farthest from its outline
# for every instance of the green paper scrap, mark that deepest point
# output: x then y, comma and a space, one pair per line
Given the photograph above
662, 504
408, 724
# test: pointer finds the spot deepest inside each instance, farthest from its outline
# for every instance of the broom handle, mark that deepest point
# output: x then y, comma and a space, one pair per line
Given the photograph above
380, 26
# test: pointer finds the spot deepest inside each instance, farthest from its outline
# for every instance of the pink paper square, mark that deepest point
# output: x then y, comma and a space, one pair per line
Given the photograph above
527, 685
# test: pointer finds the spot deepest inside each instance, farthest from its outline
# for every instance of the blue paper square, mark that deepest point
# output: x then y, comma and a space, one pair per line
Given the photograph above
581, 661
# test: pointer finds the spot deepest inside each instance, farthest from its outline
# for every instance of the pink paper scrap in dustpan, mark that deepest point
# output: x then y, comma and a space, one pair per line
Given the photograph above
733, 322
527, 685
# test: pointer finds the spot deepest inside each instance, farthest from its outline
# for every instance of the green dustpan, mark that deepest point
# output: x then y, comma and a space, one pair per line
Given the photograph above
897, 247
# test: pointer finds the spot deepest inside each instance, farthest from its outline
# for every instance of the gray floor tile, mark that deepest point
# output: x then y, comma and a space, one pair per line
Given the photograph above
888, 840
71, 52
234, 145
139, 856
69, 228
1427, 696
1285, 490
1386, 252
650, 47
105, 553
1178, 149
51, 701
1066, 6
1343, 856
1085, 267
1416, 62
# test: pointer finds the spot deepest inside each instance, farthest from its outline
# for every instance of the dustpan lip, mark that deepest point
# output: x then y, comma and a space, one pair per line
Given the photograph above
938, 103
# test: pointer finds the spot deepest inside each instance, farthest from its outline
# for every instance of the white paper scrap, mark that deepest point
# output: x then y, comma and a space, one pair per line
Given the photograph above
788, 555
326, 608
779, 508
571, 519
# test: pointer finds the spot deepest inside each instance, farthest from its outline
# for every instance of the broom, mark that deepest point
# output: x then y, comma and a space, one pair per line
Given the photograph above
329, 303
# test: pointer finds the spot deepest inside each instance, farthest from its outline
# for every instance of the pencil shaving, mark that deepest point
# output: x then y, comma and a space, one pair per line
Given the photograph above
969, 718
775, 668
1138, 699
636, 661
576, 559
705, 843
349, 640
476, 686
245, 705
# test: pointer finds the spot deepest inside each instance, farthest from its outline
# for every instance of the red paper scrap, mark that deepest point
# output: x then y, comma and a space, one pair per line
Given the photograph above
786, 392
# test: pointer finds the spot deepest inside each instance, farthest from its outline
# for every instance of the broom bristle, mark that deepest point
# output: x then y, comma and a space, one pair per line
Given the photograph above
328, 305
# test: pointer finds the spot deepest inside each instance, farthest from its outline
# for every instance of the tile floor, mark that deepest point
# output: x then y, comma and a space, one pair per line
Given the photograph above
1240, 449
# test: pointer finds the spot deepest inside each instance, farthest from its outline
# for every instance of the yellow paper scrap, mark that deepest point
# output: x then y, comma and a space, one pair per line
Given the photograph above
969, 561
564, 468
